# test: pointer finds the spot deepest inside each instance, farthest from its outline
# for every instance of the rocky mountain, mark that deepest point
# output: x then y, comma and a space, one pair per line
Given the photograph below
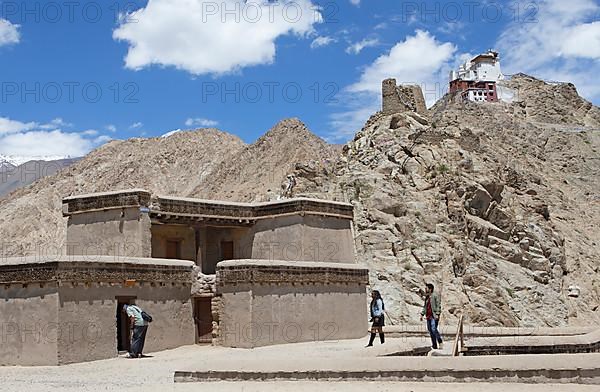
556, 105
13, 177
5, 165
497, 204
257, 172
202, 163
17, 160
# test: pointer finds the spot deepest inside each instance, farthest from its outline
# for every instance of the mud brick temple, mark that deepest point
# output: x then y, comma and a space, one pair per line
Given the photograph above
233, 274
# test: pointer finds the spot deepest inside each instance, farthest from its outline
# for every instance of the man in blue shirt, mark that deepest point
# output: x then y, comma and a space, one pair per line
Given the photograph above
139, 327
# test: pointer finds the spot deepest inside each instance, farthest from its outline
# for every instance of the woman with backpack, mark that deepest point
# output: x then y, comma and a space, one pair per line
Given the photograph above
377, 317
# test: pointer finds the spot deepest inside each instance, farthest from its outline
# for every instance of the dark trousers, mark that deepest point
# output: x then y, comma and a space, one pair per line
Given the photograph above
432, 327
138, 339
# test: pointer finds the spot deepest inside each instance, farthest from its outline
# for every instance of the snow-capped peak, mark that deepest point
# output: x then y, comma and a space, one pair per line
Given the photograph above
16, 160
171, 132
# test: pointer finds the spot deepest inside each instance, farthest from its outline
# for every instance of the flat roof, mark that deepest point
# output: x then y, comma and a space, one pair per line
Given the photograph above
103, 194
254, 204
485, 56
100, 269
261, 271
160, 206
288, 263
42, 260
199, 200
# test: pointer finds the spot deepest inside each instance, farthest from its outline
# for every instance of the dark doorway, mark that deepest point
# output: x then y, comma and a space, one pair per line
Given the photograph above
226, 250
203, 319
173, 249
123, 327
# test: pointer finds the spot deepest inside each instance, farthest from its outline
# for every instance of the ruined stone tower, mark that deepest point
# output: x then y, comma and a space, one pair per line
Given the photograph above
403, 98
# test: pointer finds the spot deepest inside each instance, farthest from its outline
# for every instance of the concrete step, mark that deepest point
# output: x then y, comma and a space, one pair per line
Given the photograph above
449, 331
552, 368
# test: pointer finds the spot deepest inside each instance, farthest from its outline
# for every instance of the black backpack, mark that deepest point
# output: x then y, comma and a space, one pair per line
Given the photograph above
145, 315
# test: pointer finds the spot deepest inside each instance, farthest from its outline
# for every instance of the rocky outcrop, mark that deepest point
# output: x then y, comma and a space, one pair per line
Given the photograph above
557, 104
483, 202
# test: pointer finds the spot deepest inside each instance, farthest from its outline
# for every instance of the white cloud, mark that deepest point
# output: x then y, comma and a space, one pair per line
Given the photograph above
45, 143
563, 44
355, 2
136, 125
56, 123
419, 59
583, 41
35, 140
9, 33
322, 41
416, 60
12, 126
452, 28
111, 128
200, 122
199, 36
357, 47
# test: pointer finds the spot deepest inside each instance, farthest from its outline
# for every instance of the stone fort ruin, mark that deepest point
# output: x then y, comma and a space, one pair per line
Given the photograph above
402, 98
234, 274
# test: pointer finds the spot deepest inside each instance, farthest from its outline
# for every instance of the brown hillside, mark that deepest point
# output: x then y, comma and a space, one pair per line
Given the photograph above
31, 218
258, 171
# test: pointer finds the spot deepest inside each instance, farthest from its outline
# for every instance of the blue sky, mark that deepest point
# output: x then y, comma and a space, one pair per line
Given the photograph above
76, 74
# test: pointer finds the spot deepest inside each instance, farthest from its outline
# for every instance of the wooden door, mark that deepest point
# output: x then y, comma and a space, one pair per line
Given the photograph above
123, 325
173, 249
226, 250
203, 319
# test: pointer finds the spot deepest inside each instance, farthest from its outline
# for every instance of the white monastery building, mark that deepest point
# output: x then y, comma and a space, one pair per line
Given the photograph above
476, 79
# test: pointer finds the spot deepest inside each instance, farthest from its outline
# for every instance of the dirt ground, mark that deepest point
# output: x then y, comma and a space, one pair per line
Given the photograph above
155, 373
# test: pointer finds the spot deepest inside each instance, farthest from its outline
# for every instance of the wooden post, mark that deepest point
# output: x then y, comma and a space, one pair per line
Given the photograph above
462, 340
459, 337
